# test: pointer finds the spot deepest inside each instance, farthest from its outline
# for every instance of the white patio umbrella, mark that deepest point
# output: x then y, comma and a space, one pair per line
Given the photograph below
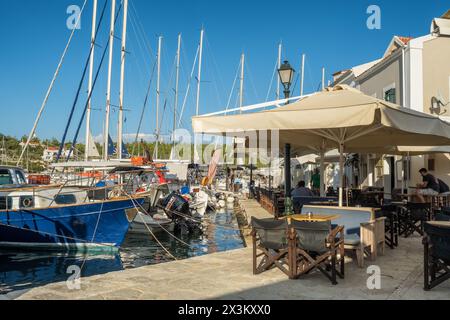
339, 117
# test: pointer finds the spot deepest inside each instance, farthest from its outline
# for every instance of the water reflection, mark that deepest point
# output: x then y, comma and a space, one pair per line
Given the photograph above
23, 271
221, 233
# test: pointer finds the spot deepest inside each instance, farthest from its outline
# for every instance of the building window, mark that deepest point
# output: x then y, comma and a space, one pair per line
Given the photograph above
389, 96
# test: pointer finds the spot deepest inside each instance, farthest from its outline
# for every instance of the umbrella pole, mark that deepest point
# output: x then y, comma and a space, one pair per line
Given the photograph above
322, 173
287, 180
404, 175
408, 181
341, 174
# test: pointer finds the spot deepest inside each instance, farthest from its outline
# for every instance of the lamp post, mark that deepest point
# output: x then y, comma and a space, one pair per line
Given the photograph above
286, 74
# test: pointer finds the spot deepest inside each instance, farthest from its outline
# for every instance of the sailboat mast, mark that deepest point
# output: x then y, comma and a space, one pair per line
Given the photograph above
280, 50
108, 90
199, 75
158, 86
323, 79
241, 87
91, 72
177, 81
302, 83
4, 157
122, 79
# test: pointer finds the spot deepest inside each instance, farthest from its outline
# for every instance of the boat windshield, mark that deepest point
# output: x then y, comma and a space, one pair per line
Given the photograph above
5, 177
20, 177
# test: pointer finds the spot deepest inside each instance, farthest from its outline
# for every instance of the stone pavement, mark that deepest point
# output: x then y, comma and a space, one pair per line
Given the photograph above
228, 275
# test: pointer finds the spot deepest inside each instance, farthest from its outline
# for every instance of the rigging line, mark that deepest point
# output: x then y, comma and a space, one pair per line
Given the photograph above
145, 105
142, 51
247, 65
215, 64
139, 33
236, 104
210, 52
295, 84
74, 142
142, 67
166, 96
234, 85
50, 88
80, 85
189, 85
140, 26
192, 93
271, 81
308, 69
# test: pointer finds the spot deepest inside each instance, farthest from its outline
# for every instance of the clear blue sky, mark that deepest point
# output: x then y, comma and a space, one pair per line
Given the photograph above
331, 33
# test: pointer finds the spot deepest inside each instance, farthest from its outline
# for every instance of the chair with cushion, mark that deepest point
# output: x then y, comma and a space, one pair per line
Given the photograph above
436, 254
364, 229
315, 246
270, 245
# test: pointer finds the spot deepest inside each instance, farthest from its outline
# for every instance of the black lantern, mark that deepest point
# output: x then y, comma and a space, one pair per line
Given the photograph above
286, 73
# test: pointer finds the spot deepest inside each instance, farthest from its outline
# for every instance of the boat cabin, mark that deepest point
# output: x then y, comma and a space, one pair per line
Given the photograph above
16, 193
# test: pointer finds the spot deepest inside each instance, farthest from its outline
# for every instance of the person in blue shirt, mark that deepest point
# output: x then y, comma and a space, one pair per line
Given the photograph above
302, 190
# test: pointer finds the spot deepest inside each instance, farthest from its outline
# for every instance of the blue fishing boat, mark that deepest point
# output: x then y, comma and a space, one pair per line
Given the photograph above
61, 218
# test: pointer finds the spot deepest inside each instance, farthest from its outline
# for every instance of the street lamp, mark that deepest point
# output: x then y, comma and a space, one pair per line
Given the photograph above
286, 73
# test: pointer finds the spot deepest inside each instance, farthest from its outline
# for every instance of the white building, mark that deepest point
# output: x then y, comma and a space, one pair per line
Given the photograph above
414, 73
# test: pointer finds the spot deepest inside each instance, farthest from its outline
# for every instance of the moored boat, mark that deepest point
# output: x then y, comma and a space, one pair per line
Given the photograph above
60, 218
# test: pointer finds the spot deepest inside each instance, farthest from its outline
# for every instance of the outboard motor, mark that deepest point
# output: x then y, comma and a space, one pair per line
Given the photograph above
177, 208
174, 203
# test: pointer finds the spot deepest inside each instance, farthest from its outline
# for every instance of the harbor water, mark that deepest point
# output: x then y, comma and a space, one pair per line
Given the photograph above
21, 271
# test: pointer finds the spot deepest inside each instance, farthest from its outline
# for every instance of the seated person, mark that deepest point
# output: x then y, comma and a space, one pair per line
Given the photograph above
302, 191
429, 187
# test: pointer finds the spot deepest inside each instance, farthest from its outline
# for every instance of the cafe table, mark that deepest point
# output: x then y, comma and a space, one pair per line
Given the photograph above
325, 203
313, 217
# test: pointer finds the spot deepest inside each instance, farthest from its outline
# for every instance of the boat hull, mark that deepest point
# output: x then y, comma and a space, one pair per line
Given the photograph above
78, 228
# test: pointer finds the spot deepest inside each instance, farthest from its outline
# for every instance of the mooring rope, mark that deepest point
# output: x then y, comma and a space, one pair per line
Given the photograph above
196, 220
168, 232
151, 232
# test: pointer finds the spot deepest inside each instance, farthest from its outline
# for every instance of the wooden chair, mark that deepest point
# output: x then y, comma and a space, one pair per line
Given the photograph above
372, 239
436, 254
373, 236
270, 245
413, 218
391, 225
313, 245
